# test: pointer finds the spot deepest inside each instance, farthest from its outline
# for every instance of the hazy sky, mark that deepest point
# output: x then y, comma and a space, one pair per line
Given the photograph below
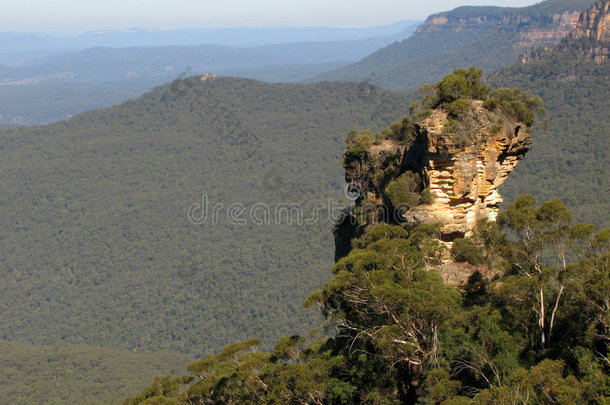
44, 15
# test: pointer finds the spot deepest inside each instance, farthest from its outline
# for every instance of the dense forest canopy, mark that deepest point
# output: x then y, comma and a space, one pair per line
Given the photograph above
97, 243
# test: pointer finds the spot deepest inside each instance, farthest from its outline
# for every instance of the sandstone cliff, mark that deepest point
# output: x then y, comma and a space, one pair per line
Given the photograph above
594, 22
535, 25
461, 167
589, 40
464, 178
440, 168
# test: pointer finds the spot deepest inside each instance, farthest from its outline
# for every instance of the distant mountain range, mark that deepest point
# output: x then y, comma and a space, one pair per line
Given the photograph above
486, 37
103, 64
17, 48
57, 85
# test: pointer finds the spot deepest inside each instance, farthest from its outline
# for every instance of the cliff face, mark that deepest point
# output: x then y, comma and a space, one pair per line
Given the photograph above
594, 22
447, 173
589, 40
534, 27
464, 180
593, 26
461, 167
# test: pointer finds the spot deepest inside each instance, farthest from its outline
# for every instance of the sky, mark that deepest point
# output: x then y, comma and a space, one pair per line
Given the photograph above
84, 15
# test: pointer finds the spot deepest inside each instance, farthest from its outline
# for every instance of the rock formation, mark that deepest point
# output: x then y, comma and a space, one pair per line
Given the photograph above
446, 170
593, 25
589, 40
461, 167
594, 22
464, 179
535, 28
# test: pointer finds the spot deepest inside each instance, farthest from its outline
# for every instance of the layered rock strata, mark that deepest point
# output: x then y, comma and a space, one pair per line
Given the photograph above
464, 180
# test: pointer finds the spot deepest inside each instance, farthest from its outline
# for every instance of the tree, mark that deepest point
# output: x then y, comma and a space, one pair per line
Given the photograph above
540, 230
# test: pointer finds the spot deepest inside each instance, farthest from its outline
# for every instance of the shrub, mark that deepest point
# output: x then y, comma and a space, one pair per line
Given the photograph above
426, 196
459, 108
461, 83
358, 145
451, 88
464, 250
516, 104
404, 191
403, 130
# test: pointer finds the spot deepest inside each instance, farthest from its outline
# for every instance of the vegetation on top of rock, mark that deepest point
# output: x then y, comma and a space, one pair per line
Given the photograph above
466, 109
515, 103
453, 94
461, 84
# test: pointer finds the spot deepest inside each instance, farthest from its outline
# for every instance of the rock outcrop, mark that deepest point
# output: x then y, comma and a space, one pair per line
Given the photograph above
461, 167
594, 22
593, 26
463, 175
442, 169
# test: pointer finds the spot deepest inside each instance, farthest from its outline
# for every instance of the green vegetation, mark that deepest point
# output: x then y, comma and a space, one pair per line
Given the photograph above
96, 244
77, 374
487, 37
404, 192
460, 85
539, 333
464, 249
515, 104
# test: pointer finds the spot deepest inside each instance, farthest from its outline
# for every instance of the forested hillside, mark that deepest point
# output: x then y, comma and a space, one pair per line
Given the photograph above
569, 158
486, 37
97, 246
65, 373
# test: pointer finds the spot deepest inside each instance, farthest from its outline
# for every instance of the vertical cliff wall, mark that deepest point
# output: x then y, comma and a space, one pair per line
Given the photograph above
464, 170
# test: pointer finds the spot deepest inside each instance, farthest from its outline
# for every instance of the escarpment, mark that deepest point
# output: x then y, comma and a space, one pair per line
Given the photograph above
535, 26
590, 40
442, 165
594, 22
